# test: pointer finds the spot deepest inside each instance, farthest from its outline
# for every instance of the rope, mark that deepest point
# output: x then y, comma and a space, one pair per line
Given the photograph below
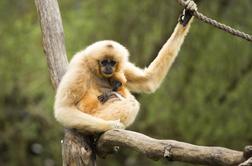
219, 25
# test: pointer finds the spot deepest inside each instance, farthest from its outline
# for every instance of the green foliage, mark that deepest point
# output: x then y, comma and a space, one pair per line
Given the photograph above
205, 99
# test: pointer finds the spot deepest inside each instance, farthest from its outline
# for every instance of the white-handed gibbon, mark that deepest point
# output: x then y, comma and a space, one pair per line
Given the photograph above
94, 94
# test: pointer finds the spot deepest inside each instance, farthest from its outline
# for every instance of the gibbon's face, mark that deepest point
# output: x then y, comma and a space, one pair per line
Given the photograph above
105, 58
107, 67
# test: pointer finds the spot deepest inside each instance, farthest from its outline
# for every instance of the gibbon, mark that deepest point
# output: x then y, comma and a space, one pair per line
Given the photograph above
94, 94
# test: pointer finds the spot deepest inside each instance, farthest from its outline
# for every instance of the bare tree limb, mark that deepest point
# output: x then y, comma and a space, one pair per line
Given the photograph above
169, 149
76, 148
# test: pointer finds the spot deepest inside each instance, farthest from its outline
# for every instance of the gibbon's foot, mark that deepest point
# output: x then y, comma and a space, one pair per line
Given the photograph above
187, 12
103, 98
106, 96
117, 125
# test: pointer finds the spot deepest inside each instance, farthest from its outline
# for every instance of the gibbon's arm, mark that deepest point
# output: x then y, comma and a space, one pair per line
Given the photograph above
148, 80
69, 92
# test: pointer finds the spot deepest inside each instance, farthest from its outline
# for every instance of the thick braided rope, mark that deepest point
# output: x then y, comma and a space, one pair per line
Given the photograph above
221, 26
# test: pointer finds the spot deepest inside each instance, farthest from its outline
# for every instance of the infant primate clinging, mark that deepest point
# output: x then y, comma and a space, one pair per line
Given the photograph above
110, 69
94, 94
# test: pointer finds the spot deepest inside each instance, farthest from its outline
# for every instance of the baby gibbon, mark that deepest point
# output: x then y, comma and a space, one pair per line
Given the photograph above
94, 94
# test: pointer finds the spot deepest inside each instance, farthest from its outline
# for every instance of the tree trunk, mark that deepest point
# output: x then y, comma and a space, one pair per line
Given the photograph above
76, 148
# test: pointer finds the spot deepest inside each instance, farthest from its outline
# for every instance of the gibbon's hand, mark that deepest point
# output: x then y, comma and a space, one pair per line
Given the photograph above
106, 96
116, 85
187, 12
116, 124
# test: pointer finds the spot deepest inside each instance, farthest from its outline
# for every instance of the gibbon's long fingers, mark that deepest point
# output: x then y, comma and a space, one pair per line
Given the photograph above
70, 117
148, 80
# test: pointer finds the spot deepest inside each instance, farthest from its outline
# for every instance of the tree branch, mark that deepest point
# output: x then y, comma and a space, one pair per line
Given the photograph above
169, 149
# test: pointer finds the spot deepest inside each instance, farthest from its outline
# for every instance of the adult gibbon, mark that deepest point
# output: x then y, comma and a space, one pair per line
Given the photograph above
94, 94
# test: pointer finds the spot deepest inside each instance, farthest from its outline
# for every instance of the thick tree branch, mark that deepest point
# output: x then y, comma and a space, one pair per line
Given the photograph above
169, 149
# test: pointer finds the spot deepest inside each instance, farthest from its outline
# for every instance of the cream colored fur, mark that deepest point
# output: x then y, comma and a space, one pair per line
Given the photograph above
119, 112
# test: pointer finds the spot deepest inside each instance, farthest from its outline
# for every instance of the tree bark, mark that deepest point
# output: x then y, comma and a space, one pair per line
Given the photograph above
169, 149
53, 38
76, 148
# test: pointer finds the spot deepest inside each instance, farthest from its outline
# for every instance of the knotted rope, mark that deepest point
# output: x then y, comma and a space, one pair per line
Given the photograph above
219, 25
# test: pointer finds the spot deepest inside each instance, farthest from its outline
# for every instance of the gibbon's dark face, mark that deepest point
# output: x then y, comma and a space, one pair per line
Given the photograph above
107, 67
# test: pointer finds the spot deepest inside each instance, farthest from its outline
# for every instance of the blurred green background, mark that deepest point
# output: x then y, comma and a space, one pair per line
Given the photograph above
206, 98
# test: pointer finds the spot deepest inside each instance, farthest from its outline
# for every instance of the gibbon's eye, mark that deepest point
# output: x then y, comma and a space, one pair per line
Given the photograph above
112, 63
104, 62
